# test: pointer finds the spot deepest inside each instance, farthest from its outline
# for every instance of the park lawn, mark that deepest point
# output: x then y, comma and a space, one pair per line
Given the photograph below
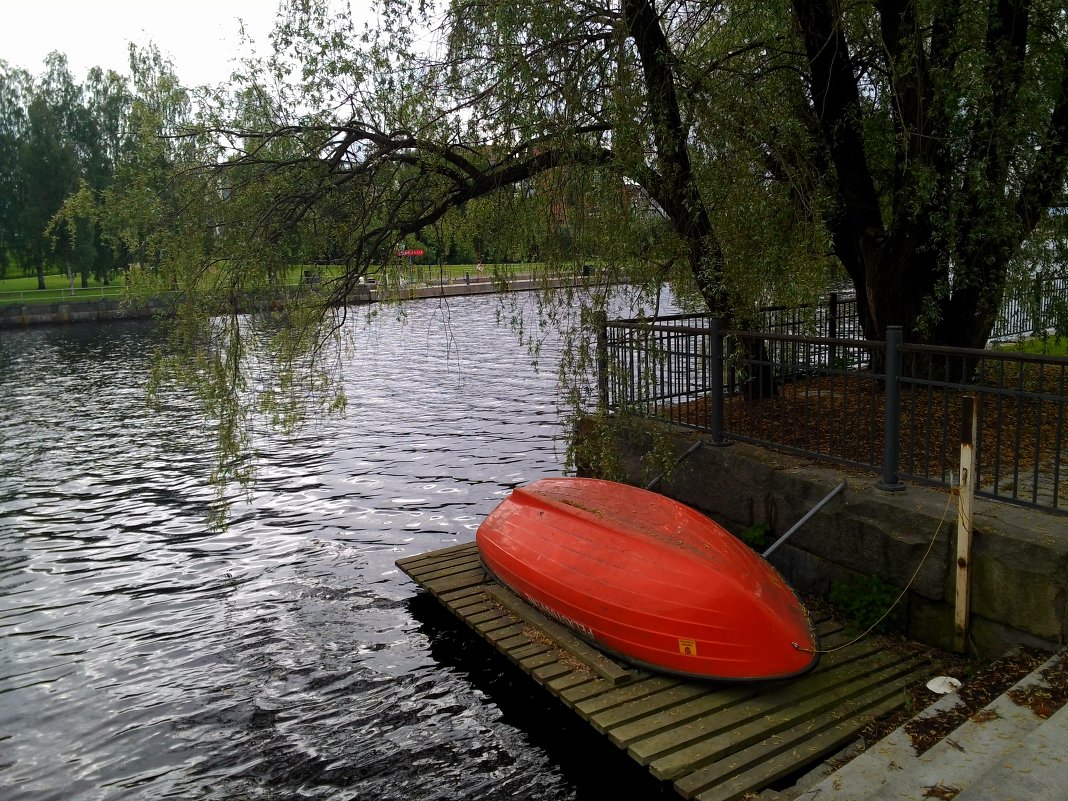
1051, 346
57, 286
53, 281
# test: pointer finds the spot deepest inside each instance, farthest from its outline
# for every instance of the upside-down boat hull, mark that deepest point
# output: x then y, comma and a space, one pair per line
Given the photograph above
648, 579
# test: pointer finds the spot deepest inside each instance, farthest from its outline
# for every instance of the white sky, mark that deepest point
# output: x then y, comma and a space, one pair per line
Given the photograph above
200, 36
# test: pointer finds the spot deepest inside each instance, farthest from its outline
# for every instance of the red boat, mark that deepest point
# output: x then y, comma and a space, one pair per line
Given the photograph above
647, 579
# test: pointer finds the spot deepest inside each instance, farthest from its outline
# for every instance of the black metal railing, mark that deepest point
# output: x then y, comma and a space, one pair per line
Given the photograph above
833, 318
1031, 310
883, 406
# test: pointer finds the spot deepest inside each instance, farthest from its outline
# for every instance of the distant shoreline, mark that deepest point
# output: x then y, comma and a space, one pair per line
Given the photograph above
97, 310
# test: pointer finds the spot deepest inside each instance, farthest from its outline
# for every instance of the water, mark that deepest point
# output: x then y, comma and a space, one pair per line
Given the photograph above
144, 655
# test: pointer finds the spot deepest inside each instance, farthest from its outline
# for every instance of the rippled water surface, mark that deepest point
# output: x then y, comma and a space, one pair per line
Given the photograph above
145, 655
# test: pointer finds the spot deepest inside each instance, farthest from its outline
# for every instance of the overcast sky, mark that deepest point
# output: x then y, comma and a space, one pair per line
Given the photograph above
200, 36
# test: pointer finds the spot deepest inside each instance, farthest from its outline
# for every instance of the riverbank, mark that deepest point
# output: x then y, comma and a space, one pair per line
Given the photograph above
20, 315
81, 311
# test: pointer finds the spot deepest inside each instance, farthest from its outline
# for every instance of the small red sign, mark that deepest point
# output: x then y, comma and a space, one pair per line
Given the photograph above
411, 252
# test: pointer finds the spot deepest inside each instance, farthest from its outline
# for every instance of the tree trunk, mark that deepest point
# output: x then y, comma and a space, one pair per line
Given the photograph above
676, 189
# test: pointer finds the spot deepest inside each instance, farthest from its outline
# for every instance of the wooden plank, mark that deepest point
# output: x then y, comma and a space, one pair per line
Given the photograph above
698, 708
532, 649
459, 581
575, 679
965, 501
734, 706
492, 625
808, 743
529, 663
716, 741
498, 635
422, 572
435, 556
695, 753
432, 572
659, 701
633, 691
546, 674
515, 640
594, 659
462, 596
473, 605
488, 615
418, 571
588, 690
724, 696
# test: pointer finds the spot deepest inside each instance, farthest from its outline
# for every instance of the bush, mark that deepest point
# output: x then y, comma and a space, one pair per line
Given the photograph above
864, 602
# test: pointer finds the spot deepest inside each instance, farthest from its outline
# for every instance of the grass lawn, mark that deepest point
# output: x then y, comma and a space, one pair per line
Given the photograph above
57, 288
1051, 346
53, 281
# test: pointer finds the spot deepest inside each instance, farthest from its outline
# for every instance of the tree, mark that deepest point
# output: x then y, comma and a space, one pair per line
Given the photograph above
920, 142
50, 163
944, 128
744, 151
106, 143
14, 87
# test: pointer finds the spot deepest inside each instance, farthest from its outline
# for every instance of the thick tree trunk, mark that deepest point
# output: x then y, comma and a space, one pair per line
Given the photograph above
857, 229
940, 205
676, 188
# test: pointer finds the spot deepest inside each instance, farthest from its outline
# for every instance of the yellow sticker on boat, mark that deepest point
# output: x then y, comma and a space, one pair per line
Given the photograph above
688, 647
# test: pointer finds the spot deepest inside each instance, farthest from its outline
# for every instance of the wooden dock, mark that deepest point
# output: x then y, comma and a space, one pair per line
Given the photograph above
714, 742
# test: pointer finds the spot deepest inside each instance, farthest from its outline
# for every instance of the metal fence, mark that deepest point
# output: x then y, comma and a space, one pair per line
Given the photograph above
1026, 310
882, 406
1031, 311
60, 295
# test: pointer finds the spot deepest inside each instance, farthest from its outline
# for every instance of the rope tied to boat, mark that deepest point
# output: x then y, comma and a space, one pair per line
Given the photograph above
954, 491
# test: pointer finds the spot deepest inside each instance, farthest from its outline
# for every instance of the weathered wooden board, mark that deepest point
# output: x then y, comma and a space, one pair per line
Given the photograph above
714, 742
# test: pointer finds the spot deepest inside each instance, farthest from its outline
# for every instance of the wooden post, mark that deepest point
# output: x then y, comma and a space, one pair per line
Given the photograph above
966, 496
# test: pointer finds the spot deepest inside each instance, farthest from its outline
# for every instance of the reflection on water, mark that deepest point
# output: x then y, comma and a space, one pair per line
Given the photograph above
143, 655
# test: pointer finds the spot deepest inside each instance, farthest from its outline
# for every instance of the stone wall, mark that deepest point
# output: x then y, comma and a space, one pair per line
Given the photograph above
81, 311
1019, 559
18, 315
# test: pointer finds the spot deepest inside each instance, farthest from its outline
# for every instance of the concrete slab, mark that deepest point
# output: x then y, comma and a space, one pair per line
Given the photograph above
1003, 734
864, 775
1034, 769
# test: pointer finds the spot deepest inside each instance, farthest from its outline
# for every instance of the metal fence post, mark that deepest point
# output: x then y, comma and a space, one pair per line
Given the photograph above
1038, 320
716, 384
892, 418
832, 326
601, 322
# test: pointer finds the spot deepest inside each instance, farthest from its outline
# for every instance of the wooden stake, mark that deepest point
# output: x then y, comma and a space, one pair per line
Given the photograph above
966, 496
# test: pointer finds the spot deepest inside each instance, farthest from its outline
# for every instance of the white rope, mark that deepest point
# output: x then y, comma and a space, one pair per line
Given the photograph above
954, 491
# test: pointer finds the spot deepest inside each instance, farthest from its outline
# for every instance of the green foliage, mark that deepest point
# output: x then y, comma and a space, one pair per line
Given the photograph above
868, 601
756, 536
